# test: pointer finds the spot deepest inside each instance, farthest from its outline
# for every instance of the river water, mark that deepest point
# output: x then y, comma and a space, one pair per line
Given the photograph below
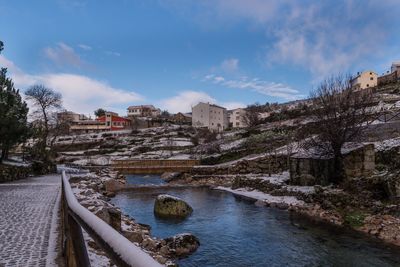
236, 232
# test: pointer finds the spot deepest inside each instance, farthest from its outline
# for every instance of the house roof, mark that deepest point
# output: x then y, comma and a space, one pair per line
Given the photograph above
143, 106
113, 118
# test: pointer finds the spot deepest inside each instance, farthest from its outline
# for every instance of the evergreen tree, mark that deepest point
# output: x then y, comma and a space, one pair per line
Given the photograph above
13, 114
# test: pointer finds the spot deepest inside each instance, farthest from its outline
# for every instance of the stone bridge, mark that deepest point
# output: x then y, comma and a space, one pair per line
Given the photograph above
153, 166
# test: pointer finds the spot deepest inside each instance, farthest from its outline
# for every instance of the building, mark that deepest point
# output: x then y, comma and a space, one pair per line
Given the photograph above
143, 111
391, 76
182, 118
237, 118
365, 79
114, 122
211, 116
70, 117
396, 68
109, 122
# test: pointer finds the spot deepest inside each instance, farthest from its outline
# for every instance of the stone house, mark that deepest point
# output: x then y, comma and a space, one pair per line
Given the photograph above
310, 169
144, 111
365, 79
214, 117
237, 118
182, 118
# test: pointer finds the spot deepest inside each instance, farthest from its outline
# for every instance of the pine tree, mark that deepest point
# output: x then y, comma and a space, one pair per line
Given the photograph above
13, 114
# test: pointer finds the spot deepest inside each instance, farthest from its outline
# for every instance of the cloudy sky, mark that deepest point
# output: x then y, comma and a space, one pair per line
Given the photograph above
174, 53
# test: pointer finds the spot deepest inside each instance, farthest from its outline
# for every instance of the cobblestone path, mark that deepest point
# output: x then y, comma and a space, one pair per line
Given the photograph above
28, 221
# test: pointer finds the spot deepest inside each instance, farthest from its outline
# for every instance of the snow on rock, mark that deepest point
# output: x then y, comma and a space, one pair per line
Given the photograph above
264, 197
277, 178
232, 145
387, 144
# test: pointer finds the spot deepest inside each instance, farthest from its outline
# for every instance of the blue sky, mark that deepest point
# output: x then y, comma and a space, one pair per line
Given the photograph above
174, 53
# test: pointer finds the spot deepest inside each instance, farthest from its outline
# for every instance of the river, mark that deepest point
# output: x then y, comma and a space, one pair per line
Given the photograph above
236, 232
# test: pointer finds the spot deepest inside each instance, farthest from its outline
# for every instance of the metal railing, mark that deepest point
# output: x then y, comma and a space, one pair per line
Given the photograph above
120, 250
154, 165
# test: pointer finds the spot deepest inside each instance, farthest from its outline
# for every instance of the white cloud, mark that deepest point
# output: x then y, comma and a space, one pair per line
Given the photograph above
232, 105
62, 54
184, 101
85, 47
80, 93
113, 53
256, 85
322, 37
230, 65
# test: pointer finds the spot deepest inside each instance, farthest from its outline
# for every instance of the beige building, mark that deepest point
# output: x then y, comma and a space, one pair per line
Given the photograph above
211, 116
365, 79
396, 68
237, 118
143, 111
70, 117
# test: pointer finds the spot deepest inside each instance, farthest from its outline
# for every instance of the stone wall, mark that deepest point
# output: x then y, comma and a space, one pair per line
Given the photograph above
310, 171
265, 164
11, 173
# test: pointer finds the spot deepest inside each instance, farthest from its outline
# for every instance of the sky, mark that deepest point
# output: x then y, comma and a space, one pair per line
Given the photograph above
175, 53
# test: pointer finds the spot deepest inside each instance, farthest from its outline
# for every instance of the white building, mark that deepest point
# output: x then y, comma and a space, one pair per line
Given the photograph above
237, 118
211, 116
144, 111
365, 79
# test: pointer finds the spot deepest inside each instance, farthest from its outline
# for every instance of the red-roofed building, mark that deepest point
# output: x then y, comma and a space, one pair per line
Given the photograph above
114, 122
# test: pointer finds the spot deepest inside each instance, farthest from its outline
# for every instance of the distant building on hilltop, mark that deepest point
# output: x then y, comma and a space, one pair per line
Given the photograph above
70, 117
143, 111
110, 121
182, 118
211, 116
391, 76
365, 79
114, 122
237, 118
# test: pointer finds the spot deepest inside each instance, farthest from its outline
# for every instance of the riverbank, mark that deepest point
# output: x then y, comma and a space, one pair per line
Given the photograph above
355, 209
94, 192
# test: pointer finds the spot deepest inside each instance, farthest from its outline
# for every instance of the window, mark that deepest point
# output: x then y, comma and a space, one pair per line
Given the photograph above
372, 78
212, 123
237, 117
367, 85
237, 123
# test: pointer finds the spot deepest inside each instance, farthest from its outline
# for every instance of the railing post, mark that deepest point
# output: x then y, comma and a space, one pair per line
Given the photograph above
74, 247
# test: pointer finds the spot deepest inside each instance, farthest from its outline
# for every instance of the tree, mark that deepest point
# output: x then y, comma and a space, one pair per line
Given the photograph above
252, 116
340, 113
46, 101
99, 112
13, 114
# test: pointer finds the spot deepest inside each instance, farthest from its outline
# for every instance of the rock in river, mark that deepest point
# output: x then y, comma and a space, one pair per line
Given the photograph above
182, 245
170, 206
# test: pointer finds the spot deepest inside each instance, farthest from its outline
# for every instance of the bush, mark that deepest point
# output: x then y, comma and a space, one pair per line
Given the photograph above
354, 219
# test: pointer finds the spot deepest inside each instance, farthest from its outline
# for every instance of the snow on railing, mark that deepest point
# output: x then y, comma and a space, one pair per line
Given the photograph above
121, 251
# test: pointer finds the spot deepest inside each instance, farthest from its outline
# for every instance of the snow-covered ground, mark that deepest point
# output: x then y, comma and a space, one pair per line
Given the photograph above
264, 197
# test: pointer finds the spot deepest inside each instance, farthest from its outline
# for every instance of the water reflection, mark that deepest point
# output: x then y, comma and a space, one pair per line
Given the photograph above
235, 232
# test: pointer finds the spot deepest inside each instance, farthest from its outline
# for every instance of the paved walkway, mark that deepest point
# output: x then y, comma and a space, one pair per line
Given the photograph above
28, 221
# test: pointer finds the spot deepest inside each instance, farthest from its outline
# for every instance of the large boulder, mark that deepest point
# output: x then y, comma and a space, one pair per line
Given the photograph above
170, 176
113, 185
170, 206
182, 245
111, 216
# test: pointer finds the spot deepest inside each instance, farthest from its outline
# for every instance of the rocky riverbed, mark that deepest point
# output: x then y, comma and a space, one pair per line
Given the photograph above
94, 190
354, 205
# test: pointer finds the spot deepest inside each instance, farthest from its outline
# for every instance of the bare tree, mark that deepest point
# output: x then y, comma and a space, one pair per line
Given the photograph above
251, 118
340, 112
46, 101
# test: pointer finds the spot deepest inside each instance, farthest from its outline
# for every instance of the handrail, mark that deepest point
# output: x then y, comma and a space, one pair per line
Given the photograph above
121, 251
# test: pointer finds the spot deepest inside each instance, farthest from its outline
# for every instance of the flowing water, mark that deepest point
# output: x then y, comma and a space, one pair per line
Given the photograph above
236, 232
